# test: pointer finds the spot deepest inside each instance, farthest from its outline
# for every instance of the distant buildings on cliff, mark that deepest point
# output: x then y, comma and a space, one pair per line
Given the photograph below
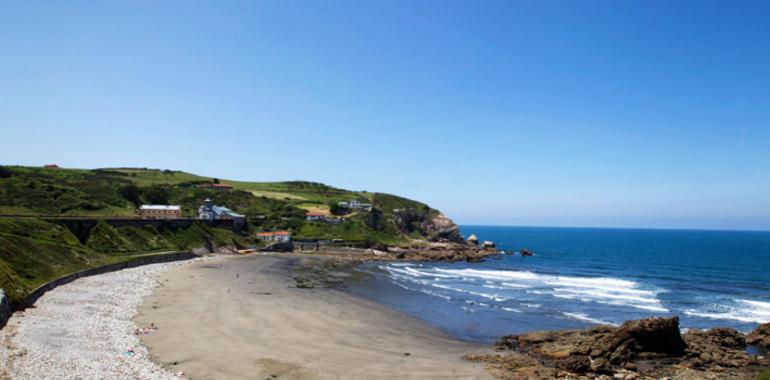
275, 236
355, 205
207, 211
160, 212
210, 211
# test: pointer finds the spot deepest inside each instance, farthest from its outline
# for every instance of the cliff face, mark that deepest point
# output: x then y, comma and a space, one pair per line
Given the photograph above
442, 228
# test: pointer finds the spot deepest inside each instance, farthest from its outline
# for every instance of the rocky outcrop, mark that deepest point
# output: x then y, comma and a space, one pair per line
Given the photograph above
651, 347
442, 228
286, 246
446, 251
760, 337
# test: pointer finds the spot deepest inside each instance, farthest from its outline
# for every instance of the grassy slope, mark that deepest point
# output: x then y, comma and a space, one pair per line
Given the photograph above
35, 251
267, 205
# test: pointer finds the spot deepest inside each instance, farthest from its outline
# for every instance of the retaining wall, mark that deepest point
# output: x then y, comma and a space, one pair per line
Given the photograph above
6, 308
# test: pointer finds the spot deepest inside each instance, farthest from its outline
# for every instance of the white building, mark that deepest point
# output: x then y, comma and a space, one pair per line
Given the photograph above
160, 211
277, 236
355, 205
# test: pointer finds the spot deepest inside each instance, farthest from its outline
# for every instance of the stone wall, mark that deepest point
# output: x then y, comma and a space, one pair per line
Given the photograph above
5, 309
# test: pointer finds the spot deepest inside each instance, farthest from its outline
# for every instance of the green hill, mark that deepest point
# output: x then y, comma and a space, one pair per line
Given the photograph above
267, 205
36, 248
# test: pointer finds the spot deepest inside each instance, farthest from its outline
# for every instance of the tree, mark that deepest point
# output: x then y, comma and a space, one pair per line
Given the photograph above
132, 193
336, 209
215, 180
5, 172
375, 219
156, 194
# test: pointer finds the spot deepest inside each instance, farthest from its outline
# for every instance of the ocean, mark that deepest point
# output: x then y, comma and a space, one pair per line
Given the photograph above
584, 276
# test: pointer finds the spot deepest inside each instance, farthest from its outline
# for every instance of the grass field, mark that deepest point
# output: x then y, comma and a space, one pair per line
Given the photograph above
146, 177
118, 192
276, 195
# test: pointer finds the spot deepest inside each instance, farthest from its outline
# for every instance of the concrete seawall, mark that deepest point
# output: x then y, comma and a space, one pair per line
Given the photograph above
6, 308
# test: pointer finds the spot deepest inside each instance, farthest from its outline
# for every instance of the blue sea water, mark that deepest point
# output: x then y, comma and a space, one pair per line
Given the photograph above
583, 276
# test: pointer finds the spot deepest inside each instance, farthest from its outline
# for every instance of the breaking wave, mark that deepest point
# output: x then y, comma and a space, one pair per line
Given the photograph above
742, 310
514, 287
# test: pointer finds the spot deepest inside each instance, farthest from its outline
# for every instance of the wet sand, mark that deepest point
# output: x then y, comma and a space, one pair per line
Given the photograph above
240, 317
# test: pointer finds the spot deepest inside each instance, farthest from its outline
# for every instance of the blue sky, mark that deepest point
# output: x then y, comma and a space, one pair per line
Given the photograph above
610, 113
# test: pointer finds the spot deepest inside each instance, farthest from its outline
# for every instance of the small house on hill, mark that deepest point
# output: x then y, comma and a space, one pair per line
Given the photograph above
210, 211
160, 212
355, 205
313, 216
276, 236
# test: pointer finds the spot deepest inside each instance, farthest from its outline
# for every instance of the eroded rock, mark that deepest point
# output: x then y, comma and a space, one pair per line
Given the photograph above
760, 336
650, 347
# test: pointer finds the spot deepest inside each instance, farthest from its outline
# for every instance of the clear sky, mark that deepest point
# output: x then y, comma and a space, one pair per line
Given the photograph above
574, 113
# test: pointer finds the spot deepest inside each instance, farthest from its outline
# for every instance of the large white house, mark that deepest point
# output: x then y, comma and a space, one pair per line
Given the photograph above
210, 211
355, 205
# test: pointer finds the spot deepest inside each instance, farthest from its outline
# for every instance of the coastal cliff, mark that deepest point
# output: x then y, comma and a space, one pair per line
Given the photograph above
43, 212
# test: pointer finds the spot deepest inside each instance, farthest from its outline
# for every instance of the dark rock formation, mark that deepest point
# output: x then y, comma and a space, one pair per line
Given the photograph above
526, 252
651, 347
280, 247
719, 346
442, 228
760, 337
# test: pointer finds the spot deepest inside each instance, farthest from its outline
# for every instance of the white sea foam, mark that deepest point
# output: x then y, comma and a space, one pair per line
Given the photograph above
742, 310
585, 318
502, 285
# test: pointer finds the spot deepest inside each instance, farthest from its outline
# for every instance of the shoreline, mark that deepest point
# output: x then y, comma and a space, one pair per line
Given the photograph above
244, 317
286, 316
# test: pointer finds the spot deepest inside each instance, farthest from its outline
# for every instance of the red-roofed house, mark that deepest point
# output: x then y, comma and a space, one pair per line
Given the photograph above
280, 236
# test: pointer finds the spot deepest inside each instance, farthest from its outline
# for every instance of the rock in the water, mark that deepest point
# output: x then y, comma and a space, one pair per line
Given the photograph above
760, 336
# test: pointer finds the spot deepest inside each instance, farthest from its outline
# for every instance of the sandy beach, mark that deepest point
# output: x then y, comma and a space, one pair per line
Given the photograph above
241, 318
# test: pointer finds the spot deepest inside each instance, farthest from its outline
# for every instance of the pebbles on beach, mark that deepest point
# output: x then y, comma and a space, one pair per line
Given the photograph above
83, 330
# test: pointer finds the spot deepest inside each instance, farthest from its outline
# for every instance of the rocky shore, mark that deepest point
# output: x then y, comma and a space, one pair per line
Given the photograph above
651, 348
432, 251
83, 330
